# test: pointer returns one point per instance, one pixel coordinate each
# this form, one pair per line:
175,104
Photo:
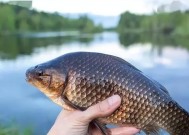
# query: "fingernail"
114,99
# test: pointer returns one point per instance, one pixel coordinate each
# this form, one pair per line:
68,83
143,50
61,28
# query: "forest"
173,23
19,19
160,29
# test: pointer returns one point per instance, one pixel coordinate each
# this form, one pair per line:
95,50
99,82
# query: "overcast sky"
101,7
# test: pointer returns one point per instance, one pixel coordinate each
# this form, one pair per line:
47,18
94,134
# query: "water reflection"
156,39
13,46
27,106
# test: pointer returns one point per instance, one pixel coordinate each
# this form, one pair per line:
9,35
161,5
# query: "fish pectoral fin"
67,107
152,129
70,104
100,126
95,122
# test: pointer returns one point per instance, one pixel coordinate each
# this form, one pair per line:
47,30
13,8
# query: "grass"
13,129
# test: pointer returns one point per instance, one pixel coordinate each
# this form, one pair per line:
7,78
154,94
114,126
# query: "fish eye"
39,73
36,66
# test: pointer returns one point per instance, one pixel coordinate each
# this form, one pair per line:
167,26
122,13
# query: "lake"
21,103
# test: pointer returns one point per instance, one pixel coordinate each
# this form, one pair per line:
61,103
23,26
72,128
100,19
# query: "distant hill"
27,4
173,6
105,21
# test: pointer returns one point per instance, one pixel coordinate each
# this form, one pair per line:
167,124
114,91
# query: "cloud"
99,7
158,3
102,7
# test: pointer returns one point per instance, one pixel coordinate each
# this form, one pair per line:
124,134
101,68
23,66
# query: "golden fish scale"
93,79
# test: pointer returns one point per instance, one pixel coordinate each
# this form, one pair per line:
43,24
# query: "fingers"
114,131
102,109
124,131
93,130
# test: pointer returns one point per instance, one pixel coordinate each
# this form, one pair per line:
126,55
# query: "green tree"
7,19
16,18
164,23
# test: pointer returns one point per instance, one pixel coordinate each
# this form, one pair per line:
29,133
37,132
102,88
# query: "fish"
78,80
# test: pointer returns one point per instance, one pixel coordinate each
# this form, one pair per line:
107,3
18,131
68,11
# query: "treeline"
20,19
174,23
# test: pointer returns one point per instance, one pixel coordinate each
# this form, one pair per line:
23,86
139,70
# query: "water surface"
27,106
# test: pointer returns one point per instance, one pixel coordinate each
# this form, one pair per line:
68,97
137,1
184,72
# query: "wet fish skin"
89,78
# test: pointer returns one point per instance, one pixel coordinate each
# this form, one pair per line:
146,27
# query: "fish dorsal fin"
127,63
161,87
136,69
152,129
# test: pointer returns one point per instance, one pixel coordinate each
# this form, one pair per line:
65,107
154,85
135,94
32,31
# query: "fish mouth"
38,79
29,76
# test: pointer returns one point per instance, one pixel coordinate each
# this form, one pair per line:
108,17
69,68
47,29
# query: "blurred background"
153,35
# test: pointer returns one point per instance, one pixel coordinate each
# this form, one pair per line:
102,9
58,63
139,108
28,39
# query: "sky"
98,7
101,7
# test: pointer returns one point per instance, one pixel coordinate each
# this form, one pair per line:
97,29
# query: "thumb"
102,109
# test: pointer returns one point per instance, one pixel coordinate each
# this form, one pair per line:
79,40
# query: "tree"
7,19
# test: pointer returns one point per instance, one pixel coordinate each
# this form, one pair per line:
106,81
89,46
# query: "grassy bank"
13,129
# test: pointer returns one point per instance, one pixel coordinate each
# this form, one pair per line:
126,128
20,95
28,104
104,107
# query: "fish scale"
93,77
132,83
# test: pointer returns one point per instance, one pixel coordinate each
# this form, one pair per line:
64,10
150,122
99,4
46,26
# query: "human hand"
77,122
